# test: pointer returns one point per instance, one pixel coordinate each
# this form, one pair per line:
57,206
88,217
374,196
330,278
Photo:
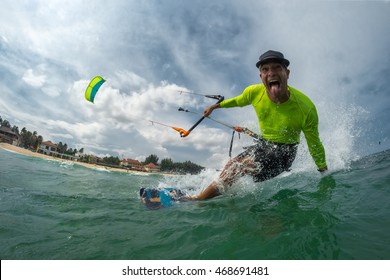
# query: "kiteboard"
155,198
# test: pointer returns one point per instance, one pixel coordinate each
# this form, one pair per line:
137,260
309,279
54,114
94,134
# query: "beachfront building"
151,167
8,136
131,164
48,148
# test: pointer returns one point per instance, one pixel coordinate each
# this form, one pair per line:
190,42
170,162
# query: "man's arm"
314,144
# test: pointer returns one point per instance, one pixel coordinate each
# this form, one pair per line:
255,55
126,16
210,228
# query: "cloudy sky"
149,50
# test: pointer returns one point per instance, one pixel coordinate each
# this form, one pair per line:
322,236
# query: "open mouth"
274,85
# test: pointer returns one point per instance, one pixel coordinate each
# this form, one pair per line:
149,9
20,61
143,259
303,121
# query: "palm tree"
39,142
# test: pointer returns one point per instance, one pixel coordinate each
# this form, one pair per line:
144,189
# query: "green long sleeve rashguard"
283,123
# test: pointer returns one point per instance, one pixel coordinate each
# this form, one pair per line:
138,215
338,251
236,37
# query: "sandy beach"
26,152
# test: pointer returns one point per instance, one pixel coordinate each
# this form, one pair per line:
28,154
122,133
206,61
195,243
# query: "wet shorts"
271,158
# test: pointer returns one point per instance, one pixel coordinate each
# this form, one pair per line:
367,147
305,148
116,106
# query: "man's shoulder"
254,90
255,87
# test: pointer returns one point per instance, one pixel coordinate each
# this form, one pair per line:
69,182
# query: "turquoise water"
54,210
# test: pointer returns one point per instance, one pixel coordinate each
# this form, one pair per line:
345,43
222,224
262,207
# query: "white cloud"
34,80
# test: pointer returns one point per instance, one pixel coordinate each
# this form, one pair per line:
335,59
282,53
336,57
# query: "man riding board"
283,113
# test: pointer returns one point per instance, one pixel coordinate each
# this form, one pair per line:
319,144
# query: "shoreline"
19,150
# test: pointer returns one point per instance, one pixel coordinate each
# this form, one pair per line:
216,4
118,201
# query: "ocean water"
61,211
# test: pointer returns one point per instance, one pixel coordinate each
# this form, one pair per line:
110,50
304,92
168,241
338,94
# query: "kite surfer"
283,113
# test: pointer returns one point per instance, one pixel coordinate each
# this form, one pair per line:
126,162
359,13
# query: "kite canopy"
93,88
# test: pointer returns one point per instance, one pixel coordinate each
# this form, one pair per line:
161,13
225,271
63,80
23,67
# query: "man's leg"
234,169
262,162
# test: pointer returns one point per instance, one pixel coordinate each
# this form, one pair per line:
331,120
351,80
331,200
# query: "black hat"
272,56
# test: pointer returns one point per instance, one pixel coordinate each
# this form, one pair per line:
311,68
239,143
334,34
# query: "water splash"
193,184
343,130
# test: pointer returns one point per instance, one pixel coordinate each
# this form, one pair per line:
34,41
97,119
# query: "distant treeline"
166,165
32,140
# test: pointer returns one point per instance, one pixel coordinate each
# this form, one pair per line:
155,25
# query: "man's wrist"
323,169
